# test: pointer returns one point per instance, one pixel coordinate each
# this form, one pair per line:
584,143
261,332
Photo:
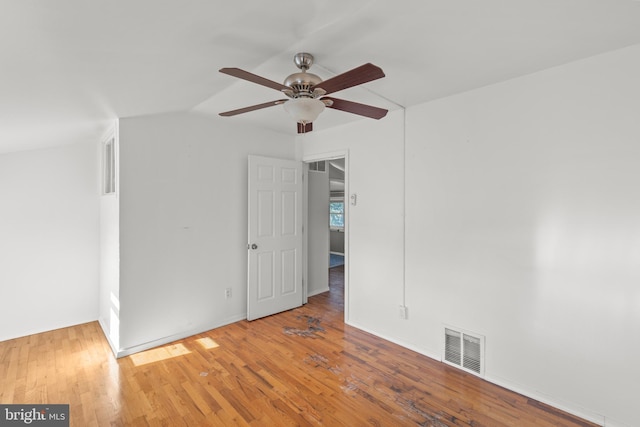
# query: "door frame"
318,157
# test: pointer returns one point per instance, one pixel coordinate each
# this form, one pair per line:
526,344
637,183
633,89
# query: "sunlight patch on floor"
207,343
158,354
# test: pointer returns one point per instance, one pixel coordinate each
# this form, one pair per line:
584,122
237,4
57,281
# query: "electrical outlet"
404,314
227,293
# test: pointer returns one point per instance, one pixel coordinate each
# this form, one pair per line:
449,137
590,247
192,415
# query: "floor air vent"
464,350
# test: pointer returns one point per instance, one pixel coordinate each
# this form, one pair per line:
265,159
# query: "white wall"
183,223
522,224
375,227
109,301
318,233
48,239
109,310
336,241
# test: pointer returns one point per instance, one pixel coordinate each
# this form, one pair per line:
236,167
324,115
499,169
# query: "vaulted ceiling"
69,67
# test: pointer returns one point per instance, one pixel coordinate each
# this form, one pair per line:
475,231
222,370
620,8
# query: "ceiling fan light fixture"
304,110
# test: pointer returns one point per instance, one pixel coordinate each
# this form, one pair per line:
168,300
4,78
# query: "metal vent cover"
464,349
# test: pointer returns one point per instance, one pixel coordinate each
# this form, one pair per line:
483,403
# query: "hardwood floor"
304,367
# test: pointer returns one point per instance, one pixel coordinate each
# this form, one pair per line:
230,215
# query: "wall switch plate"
404,313
227,293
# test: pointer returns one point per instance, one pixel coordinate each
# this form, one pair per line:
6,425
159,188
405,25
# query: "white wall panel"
183,223
375,224
523,224
49,239
318,232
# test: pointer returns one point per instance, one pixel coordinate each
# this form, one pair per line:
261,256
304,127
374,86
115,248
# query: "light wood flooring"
304,367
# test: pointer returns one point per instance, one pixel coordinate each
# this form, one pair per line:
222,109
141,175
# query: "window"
336,214
318,166
109,167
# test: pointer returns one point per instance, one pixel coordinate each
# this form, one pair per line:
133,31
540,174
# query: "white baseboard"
549,400
396,341
103,326
517,388
608,422
318,291
178,336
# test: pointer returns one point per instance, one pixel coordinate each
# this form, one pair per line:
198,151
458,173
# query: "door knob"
254,246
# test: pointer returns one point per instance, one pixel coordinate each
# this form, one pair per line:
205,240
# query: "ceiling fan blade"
362,74
356,108
252,108
245,75
305,128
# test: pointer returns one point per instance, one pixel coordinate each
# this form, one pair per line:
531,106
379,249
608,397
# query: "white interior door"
275,236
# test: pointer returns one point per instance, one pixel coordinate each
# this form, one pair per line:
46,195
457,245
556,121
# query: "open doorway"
337,222
337,216
327,228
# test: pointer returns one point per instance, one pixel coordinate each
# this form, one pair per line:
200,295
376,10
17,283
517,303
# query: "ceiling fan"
306,92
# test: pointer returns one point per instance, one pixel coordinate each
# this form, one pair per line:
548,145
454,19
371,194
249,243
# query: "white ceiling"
69,67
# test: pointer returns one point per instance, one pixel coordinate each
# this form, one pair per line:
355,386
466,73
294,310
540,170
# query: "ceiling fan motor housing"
301,83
